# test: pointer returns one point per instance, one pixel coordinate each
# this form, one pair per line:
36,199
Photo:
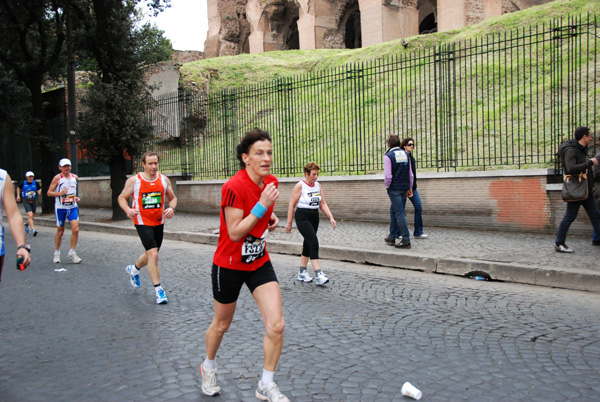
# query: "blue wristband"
258,210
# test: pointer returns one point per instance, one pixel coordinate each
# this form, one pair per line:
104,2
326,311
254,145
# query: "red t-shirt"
249,253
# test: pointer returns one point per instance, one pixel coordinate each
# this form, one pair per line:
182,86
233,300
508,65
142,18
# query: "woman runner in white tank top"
308,196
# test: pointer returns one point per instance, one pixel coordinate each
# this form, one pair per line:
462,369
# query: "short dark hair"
580,132
249,139
406,141
393,141
148,154
310,166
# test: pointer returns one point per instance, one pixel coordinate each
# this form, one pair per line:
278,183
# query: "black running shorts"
151,236
30,206
227,283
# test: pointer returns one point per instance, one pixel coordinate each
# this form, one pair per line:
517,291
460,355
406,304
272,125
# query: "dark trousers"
589,204
596,234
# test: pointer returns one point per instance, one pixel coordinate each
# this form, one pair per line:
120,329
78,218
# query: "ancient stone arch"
351,27
344,28
274,26
427,16
254,26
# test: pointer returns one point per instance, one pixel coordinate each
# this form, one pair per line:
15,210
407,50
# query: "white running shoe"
304,276
134,279
56,258
321,279
270,393
161,296
74,257
210,386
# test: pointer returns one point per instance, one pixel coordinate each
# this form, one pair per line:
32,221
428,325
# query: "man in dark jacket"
596,235
575,161
398,180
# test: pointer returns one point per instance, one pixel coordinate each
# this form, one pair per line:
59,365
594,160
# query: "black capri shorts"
227,283
151,236
307,221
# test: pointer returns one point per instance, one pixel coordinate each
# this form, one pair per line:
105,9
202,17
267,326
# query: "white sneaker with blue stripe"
161,297
133,278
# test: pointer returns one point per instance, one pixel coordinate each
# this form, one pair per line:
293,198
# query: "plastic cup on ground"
411,391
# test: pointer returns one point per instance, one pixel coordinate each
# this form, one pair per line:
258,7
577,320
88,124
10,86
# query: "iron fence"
505,101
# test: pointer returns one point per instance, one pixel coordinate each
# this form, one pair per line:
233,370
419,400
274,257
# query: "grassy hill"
247,69
498,95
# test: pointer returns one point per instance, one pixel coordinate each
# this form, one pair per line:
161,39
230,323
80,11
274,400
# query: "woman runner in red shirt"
242,258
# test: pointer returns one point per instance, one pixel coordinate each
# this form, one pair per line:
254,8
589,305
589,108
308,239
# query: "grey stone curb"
586,280
507,272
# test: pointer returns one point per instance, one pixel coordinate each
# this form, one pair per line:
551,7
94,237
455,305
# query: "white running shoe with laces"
304,276
56,258
270,393
210,386
321,279
134,279
74,257
161,297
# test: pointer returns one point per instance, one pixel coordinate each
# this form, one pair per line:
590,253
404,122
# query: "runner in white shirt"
308,196
64,190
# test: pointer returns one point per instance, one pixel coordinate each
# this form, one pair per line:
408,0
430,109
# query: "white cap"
63,162
29,173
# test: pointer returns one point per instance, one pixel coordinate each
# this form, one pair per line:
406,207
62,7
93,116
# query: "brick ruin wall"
255,26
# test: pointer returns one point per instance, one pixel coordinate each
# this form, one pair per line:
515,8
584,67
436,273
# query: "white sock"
210,364
267,377
71,251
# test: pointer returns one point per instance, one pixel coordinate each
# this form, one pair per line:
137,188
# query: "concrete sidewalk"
504,256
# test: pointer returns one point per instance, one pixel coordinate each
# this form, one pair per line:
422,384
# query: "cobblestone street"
86,334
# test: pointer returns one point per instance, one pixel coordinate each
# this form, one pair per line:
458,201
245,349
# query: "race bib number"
68,199
253,248
314,199
152,200
30,195
401,157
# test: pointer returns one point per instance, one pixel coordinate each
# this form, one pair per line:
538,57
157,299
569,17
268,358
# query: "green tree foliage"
33,35
107,42
152,46
115,124
15,109
15,118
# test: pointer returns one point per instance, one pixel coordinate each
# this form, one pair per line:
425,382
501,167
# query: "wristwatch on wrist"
26,247
173,208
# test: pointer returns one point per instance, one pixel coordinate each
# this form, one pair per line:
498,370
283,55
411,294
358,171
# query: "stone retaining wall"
513,200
